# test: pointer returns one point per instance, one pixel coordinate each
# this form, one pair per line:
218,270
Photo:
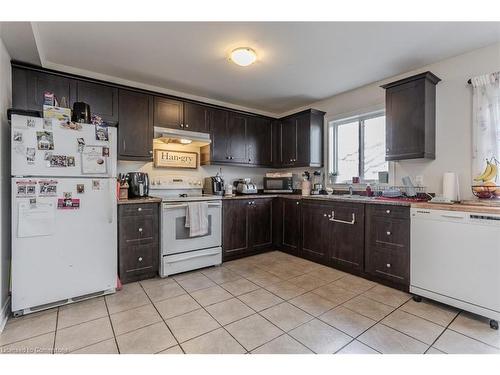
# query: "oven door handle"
184,205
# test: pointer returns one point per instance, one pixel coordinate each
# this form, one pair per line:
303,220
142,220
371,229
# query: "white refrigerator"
64,219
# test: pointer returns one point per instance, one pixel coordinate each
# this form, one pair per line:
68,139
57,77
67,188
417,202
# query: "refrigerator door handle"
111,200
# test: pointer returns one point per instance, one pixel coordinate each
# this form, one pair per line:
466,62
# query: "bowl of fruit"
485,185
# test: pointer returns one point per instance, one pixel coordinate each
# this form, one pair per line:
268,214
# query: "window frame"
333,126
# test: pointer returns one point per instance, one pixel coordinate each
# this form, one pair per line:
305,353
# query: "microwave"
278,185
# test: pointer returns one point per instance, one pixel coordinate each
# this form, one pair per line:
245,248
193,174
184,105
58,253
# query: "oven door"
175,236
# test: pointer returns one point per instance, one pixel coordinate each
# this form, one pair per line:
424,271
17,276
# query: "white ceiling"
299,63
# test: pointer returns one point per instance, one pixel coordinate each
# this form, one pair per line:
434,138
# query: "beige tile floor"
268,303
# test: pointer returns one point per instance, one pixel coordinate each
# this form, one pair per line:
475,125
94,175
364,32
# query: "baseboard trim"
4,314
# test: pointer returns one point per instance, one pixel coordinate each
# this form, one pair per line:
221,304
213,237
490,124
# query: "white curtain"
486,120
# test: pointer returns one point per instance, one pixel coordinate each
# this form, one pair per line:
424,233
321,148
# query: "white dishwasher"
455,259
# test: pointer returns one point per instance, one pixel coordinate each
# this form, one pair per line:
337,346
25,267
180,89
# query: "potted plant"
332,177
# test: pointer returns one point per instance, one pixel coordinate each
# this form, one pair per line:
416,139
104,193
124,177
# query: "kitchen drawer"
389,211
138,262
140,209
392,265
388,232
137,229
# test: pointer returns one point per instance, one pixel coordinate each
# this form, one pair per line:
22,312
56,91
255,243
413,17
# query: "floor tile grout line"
472,338
421,317
55,331
444,330
164,321
112,327
225,329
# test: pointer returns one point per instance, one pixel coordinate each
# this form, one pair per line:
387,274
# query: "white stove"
179,251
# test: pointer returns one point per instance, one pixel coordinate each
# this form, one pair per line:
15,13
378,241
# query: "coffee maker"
138,184
213,185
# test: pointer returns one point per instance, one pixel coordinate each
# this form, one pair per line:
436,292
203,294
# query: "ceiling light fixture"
243,56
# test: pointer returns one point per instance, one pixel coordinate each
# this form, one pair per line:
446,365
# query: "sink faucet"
350,189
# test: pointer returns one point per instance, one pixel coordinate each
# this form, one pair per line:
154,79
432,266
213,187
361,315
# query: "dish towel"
197,218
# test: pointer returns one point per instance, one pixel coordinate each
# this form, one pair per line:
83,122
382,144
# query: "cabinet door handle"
297,203
181,125
387,211
388,265
151,152
139,209
388,233
324,215
352,222
139,259
140,230
186,126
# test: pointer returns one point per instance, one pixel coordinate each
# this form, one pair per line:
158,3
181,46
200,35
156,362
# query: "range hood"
182,137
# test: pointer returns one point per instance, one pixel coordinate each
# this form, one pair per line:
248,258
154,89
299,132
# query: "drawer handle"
139,259
388,265
297,203
388,233
140,229
387,211
139,209
352,222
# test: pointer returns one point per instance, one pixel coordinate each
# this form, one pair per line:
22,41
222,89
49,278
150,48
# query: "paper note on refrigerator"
36,219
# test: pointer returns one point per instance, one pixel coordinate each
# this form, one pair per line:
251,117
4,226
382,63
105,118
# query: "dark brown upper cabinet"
411,117
196,117
301,139
238,139
135,129
168,113
259,141
103,100
236,134
28,87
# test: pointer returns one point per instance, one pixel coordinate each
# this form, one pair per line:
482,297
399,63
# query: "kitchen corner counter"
139,200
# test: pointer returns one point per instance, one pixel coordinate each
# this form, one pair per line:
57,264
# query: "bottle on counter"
369,191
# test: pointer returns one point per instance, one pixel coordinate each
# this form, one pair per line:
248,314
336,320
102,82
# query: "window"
356,147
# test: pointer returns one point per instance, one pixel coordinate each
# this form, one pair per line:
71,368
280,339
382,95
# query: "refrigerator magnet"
68,204
30,155
105,152
30,189
18,137
30,122
58,161
48,188
47,124
70,161
80,188
81,144
96,185
101,133
45,140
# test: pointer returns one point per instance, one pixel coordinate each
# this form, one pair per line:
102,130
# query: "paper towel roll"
450,186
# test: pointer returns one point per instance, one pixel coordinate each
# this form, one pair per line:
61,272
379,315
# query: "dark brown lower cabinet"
347,226
290,214
316,231
138,241
247,227
387,243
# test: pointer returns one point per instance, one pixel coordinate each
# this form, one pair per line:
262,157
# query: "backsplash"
230,173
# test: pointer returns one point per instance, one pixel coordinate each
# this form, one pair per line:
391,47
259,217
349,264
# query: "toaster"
245,186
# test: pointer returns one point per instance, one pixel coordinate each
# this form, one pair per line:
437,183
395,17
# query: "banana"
492,174
486,172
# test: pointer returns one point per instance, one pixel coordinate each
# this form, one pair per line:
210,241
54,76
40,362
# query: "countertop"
466,206
139,200
329,198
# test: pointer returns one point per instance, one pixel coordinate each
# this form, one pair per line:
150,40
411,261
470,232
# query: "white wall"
5,103
453,115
